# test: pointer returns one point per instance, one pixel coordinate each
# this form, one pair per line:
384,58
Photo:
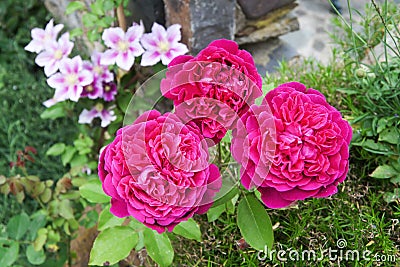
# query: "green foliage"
112,245
159,247
93,192
254,223
189,229
95,18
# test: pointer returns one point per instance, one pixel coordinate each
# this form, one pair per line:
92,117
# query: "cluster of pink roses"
73,78
291,147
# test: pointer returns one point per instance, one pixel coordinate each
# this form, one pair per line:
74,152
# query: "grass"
356,214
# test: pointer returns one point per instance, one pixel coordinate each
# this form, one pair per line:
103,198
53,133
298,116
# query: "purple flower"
42,38
100,72
109,91
71,79
93,90
55,52
162,45
124,47
106,116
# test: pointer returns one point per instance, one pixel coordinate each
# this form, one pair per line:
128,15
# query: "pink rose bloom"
311,143
157,171
220,72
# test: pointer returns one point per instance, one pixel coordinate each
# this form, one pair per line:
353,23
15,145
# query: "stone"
202,21
274,24
254,9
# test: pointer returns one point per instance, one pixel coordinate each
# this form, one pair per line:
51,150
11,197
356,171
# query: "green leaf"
384,172
93,192
67,155
35,257
214,212
56,149
9,251
41,239
390,135
75,32
17,226
189,229
113,245
89,20
97,8
66,210
254,223
53,112
159,247
83,144
396,179
38,221
107,220
74,6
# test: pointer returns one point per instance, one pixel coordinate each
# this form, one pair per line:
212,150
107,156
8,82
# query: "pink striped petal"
85,77
108,57
112,36
159,32
87,116
174,33
51,67
44,58
125,60
61,93
134,33
136,49
56,81
150,58
74,92
149,42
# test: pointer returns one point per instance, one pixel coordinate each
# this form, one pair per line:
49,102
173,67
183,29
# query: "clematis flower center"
98,70
99,107
123,46
163,47
71,79
58,54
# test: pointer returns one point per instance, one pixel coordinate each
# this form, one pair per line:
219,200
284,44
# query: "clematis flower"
106,116
93,90
42,38
124,47
162,45
100,72
55,52
71,79
109,91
